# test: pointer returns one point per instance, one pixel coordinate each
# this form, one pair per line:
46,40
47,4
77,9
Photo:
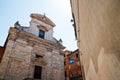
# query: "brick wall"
73,70
1,52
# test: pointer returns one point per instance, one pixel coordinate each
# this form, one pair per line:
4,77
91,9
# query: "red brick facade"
72,65
1,52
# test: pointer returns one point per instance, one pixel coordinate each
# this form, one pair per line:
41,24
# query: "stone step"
31,79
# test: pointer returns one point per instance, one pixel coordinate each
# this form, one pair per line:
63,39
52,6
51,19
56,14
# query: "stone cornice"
33,38
42,28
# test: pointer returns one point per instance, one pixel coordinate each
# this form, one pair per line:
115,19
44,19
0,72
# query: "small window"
77,55
64,62
41,34
65,74
39,56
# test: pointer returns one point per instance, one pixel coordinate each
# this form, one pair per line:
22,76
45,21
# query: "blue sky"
58,11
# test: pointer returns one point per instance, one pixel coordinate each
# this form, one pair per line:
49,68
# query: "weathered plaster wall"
20,59
98,35
35,30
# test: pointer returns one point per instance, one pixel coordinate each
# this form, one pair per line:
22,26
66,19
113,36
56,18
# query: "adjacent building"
72,65
97,28
2,49
32,53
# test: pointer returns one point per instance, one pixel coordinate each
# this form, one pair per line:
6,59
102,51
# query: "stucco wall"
35,30
98,34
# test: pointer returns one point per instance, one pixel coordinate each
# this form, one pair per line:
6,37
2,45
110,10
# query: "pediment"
41,18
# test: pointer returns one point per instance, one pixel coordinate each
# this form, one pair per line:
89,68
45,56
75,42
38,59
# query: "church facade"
32,53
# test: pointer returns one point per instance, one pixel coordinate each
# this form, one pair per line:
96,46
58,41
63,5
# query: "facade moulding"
31,38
